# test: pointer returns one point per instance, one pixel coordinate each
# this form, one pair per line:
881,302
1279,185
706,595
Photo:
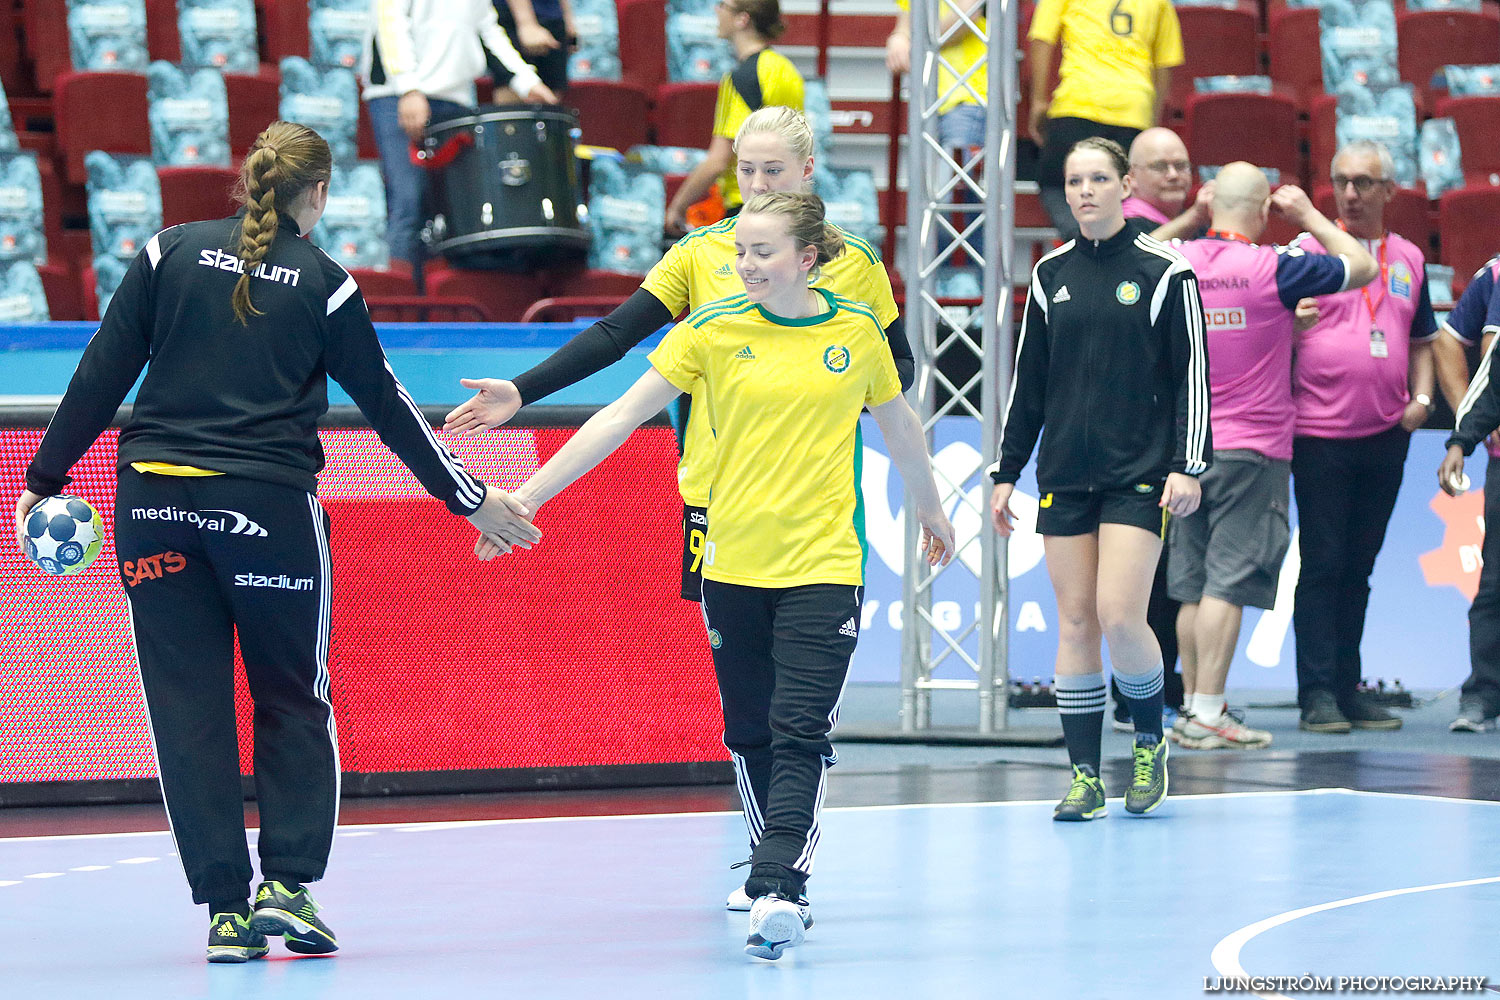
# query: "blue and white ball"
64,535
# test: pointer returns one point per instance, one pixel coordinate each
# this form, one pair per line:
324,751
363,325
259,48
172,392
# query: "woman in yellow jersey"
238,324
761,78
784,554
774,147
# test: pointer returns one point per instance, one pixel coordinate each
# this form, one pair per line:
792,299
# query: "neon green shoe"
1148,783
230,939
1085,798
280,911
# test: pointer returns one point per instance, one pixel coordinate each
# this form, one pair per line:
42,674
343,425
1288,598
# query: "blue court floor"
911,901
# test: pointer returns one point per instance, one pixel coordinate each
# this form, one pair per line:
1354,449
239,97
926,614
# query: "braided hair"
285,161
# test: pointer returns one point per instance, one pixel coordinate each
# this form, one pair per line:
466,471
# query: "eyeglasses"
1363,184
1168,166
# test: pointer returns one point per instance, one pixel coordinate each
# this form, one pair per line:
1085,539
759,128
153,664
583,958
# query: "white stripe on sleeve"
341,296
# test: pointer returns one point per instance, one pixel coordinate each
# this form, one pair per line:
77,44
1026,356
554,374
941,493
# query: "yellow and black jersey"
783,399
700,268
1110,52
762,79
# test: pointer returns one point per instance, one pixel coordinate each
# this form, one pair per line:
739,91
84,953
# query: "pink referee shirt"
1249,292
1140,208
1350,382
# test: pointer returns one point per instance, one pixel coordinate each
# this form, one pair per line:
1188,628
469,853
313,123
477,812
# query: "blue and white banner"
336,31
1427,572
124,203
22,233
598,54
22,298
695,52
218,34
107,35
189,115
352,229
326,100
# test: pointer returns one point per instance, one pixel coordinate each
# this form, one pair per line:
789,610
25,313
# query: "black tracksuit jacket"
243,400
1111,369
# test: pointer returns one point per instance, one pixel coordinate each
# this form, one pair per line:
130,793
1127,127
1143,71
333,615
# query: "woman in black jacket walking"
1111,361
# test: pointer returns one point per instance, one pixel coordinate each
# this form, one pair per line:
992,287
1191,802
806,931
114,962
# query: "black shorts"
551,66
694,532
1080,512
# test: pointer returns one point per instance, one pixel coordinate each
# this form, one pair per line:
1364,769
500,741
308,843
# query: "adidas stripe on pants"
202,558
781,657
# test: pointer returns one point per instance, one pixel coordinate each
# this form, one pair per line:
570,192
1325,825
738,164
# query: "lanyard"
1384,281
1228,234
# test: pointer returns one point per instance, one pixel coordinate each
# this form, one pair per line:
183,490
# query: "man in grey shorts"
1229,558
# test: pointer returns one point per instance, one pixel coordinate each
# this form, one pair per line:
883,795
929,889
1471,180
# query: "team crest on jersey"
714,638
1400,279
1128,293
836,358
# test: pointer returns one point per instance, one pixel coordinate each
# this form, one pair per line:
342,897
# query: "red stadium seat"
192,194
611,114
12,74
254,103
283,25
46,27
162,39
1322,137
64,296
393,281
685,114
566,309
505,297
1217,41
1408,213
1478,122
1466,228
1295,51
1428,40
643,37
88,292
1260,128
364,135
100,111
584,283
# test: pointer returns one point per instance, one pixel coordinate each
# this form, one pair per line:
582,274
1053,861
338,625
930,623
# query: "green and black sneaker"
1148,782
280,911
231,939
1085,798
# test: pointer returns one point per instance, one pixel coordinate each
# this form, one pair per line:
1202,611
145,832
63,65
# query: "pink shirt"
1140,208
1351,371
1249,292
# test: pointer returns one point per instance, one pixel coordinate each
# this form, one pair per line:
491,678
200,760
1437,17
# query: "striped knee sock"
1080,703
1143,693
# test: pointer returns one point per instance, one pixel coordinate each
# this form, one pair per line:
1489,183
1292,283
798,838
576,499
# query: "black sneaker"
231,939
1085,798
1321,714
279,911
1363,713
1148,780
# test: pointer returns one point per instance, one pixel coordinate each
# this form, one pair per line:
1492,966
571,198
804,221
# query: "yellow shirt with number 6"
700,269
1111,50
783,397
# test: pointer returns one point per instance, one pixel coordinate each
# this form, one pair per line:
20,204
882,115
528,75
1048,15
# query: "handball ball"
63,535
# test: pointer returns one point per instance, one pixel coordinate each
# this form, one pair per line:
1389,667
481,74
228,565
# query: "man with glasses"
1363,381
1161,174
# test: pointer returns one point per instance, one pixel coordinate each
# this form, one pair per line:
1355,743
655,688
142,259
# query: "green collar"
814,320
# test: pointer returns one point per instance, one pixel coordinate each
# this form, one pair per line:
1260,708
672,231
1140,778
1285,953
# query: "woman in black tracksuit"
1111,361
218,530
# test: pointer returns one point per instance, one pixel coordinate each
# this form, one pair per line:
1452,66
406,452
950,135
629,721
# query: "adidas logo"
226,929
264,894
745,354
1062,295
849,629
724,271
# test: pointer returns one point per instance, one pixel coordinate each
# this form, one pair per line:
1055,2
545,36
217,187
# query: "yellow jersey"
962,54
700,269
1110,51
767,78
784,397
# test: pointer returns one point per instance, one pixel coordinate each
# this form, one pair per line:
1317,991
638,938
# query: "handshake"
504,523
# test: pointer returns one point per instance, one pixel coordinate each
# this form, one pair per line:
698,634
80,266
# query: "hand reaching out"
496,402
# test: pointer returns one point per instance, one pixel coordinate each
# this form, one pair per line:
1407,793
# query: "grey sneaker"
1229,733
280,912
1148,782
1085,798
1363,713
1472,718
1321,714
230,940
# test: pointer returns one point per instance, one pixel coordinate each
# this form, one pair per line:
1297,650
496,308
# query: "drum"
510,198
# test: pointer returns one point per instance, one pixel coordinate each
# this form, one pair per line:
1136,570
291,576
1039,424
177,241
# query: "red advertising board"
576,653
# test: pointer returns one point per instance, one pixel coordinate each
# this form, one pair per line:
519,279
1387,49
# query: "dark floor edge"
457,782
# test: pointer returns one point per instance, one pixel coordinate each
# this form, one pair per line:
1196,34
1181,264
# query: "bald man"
1231,558
1161,175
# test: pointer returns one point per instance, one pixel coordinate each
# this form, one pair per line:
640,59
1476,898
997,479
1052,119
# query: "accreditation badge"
1378,346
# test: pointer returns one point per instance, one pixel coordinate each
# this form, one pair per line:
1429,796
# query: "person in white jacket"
420,61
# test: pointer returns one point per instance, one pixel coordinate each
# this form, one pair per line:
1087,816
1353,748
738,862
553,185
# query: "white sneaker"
776,924
1227,732
738,900
1178,724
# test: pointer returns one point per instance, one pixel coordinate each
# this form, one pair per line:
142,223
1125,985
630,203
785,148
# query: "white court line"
418,827
136,861
8,882
89,868
46,875
1226,954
